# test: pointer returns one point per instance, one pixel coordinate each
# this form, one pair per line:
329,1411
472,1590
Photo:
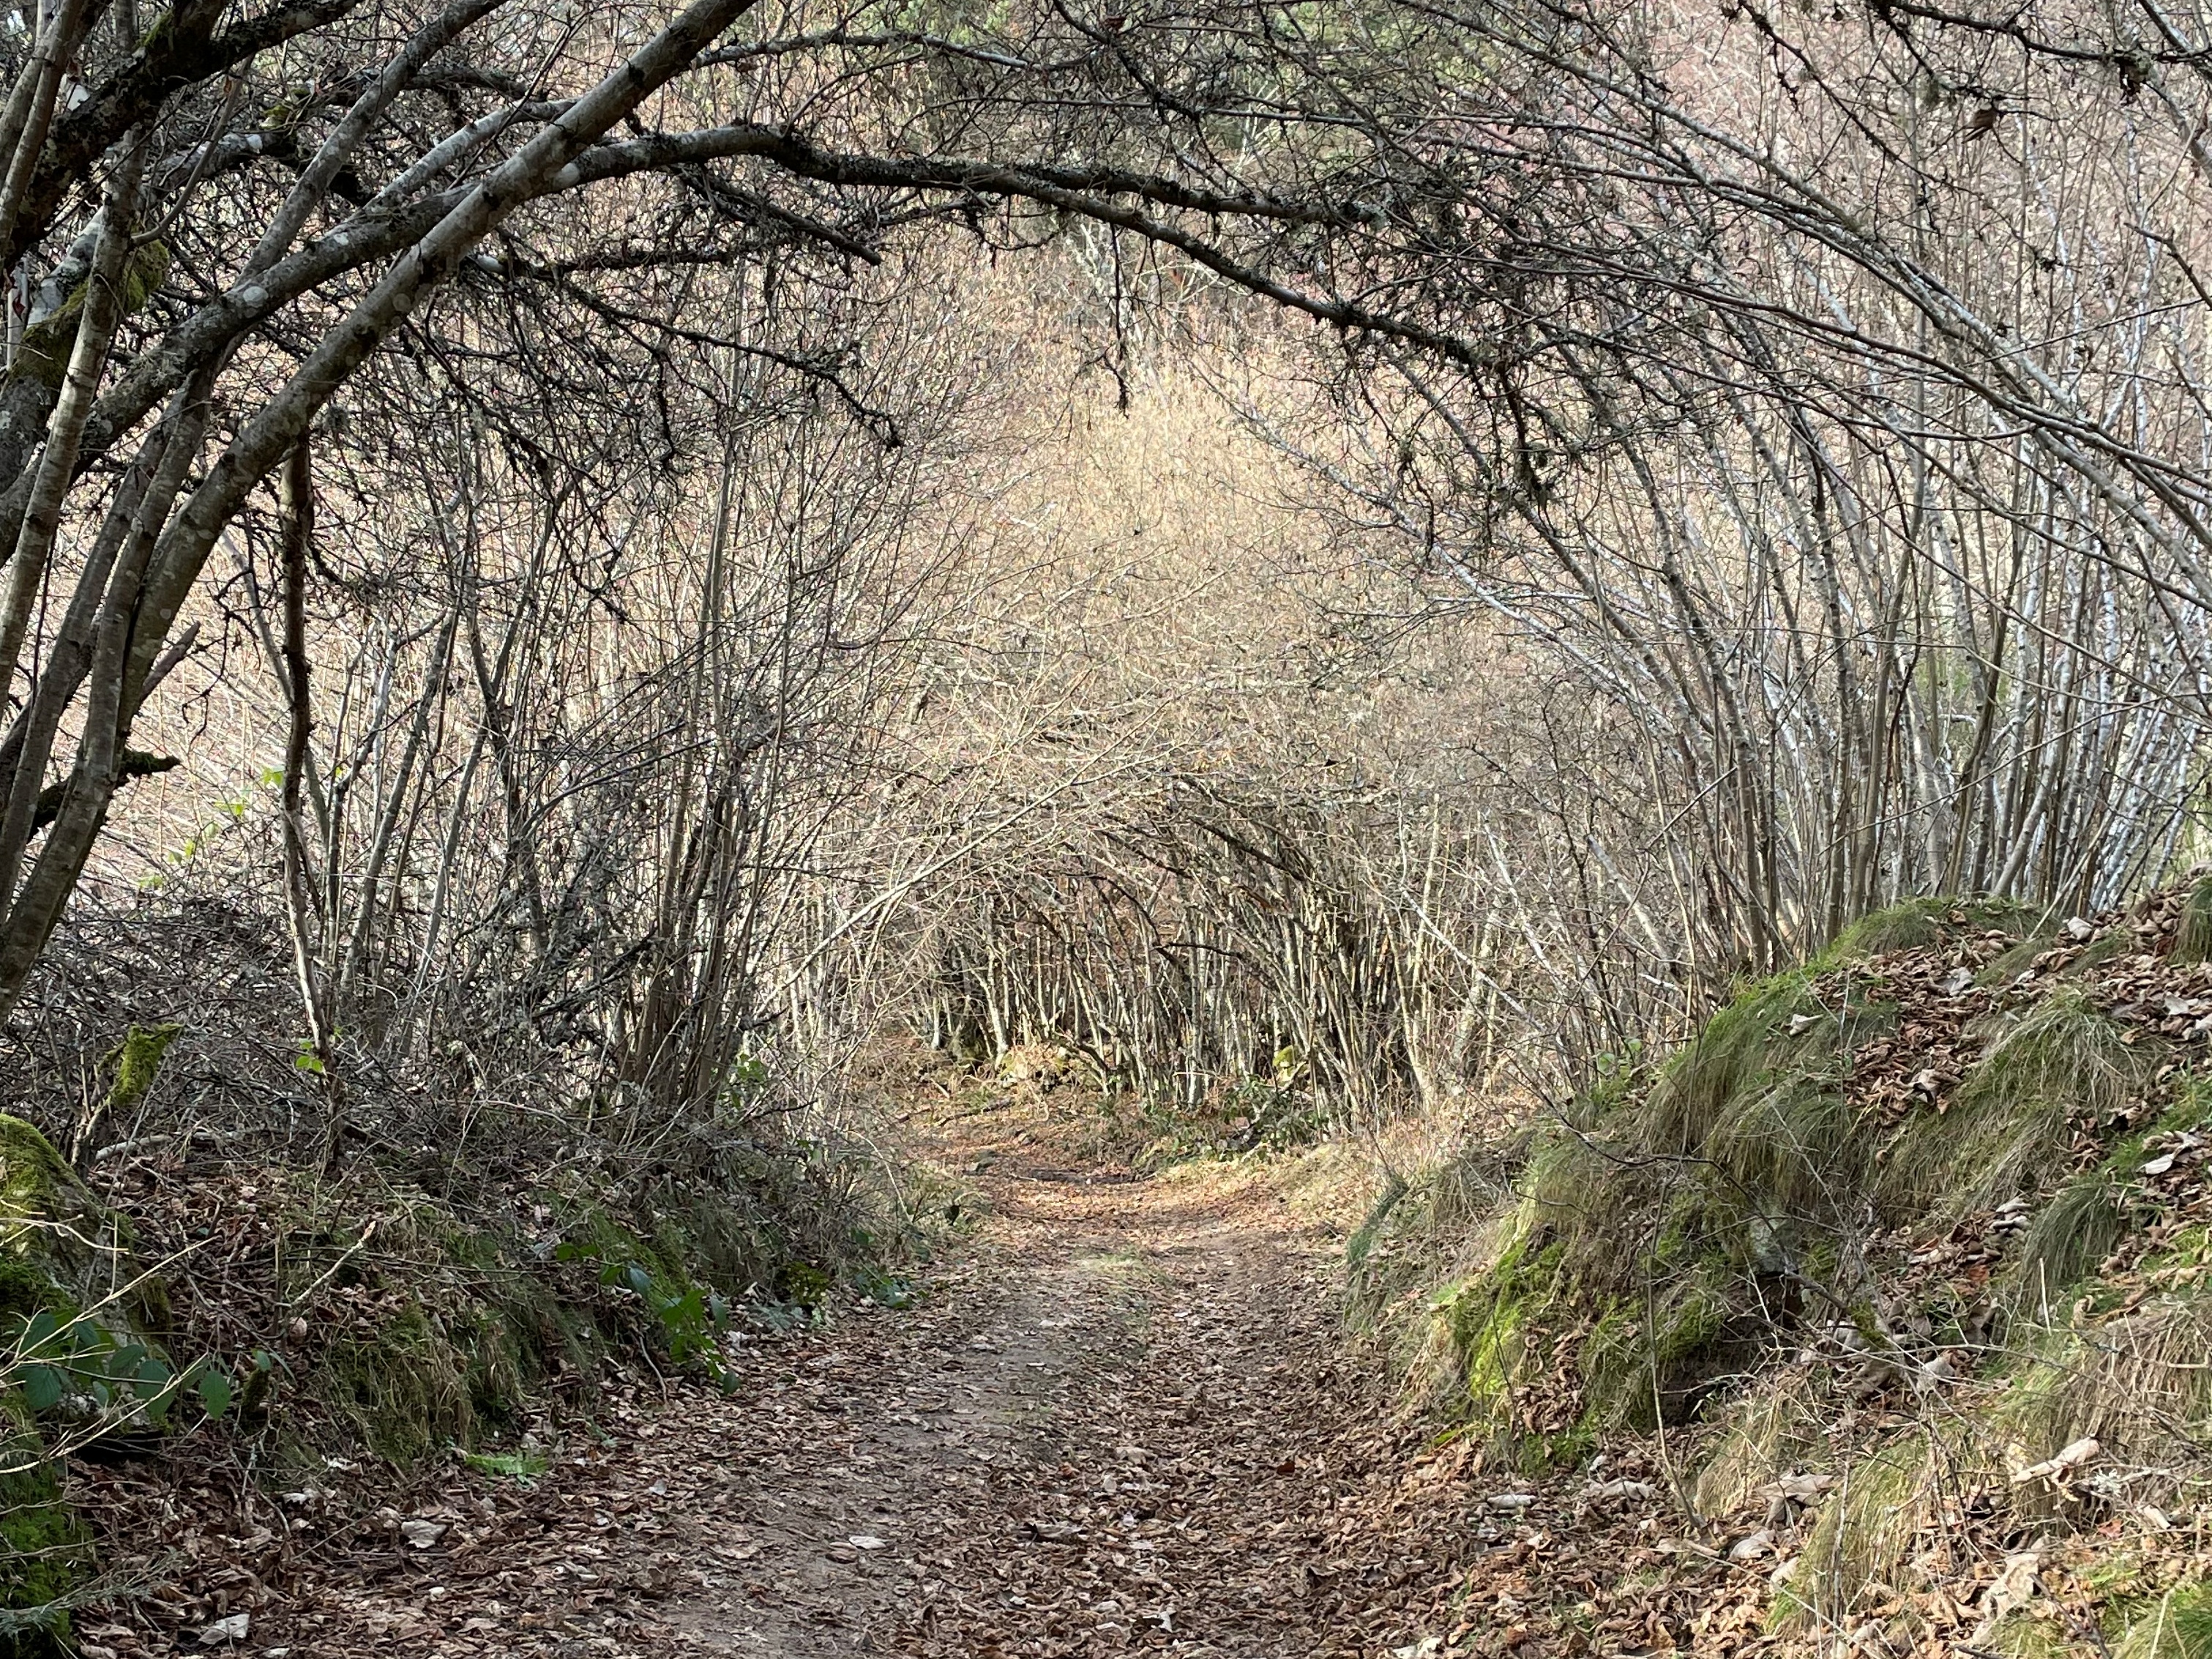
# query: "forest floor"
1122,1417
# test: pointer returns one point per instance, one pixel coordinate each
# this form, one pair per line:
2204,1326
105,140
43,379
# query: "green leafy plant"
58,1361
689,1317
884,1288
525,1467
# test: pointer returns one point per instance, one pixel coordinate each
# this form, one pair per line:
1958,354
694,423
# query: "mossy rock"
61,1250
1643,1365
45,1549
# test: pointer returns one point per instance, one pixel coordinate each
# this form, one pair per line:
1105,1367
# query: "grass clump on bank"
2061,1057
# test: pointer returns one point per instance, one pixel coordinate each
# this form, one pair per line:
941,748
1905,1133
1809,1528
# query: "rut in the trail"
1124,1424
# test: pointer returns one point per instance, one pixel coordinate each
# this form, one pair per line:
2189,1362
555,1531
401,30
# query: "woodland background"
581,574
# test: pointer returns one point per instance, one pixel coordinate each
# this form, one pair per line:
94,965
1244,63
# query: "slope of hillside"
1875,1318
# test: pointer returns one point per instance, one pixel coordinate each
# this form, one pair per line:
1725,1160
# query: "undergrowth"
209,1284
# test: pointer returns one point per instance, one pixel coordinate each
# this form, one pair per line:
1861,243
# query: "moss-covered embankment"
195,1297
1904,1259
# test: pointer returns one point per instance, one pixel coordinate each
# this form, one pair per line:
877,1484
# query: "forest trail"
1124,1421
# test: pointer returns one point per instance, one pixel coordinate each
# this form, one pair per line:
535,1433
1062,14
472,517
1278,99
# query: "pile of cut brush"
1893,1288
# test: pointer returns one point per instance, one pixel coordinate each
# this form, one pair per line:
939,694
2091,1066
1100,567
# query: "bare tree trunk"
302,907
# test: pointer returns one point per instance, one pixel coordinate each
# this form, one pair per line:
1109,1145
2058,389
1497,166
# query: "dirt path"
1124,1422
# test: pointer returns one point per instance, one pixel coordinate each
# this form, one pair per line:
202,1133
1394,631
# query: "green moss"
2082,1224
47,344
2115,1575
493,1369
25,1288
1563,1449
1584,1193
144,273
136,1062
1620,1078
36,1184
1662,1232
1488,1319
405,1388
45,1550
61,1248
1530,1316
1639,1363
2185,1250
431,1380
1786,1610
2138,1613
